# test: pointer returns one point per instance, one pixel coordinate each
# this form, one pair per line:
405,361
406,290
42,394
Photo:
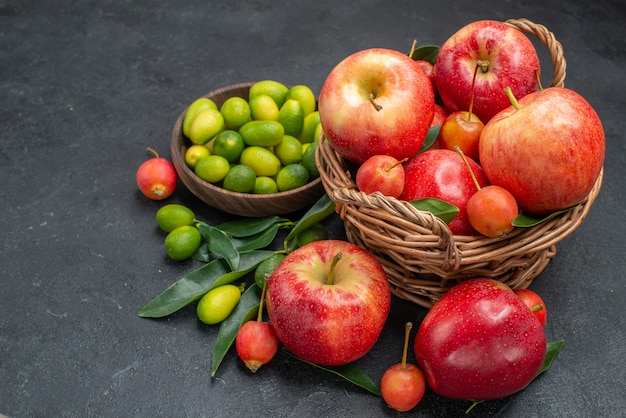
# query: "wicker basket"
420,255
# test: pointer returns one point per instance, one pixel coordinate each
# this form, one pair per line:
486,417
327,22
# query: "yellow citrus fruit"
291,177
291,116
172,216
192,111
212,168
263,133
195,153
318,132
182,242
236,112
228,144
261,160
240,178
289,150
316,232
311,121
264,185
218,303
267,267
205,126
276,90
305,96
263,107
308,161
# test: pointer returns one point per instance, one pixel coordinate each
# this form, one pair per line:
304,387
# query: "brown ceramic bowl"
242,204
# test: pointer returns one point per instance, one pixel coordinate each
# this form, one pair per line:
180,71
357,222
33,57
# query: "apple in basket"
376,102
479,342
499,54
328,302
547,149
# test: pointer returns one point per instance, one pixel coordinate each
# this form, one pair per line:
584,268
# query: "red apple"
548,152
505,56
442,174
376,102
328,302
480,342
441,113
535,303
381,173
429,69
156,178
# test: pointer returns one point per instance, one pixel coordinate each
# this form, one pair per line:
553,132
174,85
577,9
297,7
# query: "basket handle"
555,48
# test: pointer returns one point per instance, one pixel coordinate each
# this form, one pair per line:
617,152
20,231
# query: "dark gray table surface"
86,86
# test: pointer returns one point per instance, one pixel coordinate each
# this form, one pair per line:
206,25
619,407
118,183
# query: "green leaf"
246,309
426,53
323,208
246,227
257,241
350,372
552,349
196,283
220,244
524,221
437,207
431,136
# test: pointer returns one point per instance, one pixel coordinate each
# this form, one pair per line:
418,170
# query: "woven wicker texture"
420,255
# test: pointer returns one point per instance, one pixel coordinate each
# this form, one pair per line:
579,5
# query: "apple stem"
462,154
413,48
260,314
538,78
471,104
407,331
512,98
536,308
331,271
376,105
152,151
388,169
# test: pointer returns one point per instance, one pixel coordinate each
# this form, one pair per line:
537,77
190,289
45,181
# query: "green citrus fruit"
205,126
172,215
261,160
308,127
318,132
218,303
195,153
291,177
276,90
212,168
263,107
316,232
267,267
264,133
236,112
305,96
291,116
228,144
308,161
182,242
289,151
240,178
264,185
192,111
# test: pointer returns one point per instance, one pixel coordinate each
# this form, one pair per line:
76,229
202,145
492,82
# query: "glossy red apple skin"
442,174
548,153
480,342
512,59
429,69
532,299
326,324
355,128
441,113
381,173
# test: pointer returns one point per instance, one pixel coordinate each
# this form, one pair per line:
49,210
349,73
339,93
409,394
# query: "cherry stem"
512,98
413,48
396,164
407,332
376,105
260,314
471,104
536,308
152,151
331,271
462,154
